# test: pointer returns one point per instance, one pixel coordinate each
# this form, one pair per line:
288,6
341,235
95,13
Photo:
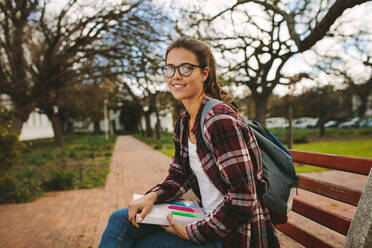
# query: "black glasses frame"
164,69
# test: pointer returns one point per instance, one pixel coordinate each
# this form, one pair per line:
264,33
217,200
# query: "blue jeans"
120,233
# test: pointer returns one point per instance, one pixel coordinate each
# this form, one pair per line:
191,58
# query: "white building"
166,121
37,126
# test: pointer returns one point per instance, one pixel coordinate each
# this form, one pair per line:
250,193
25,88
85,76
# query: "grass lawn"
82,163
357,148
349,142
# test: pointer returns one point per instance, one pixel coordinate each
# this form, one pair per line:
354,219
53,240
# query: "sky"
351,21
348,23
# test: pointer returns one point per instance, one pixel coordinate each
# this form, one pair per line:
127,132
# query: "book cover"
185,212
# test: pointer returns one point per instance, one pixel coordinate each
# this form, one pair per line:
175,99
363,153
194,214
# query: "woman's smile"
178,86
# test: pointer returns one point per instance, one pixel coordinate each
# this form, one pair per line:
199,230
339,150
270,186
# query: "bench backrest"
311,211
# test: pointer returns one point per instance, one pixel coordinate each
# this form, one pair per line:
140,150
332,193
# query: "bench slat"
331,220
301,236
330,190
344,163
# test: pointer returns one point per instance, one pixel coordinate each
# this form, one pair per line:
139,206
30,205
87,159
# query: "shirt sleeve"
234,159
176,183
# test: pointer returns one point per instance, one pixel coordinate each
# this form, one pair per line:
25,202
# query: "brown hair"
205,59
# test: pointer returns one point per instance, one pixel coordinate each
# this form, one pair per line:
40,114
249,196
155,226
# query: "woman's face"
181,87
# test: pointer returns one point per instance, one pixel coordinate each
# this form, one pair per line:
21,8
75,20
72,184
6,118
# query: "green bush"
7,188
301,139
11,189
9,145
82,163
60,180
17,190
72,154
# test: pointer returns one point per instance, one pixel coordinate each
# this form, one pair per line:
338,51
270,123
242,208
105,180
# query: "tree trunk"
157,126
70,127
96,127
148,125
114,128
56,124
21,115
17,124
290,128
362,109
321,129
141,130
157,129
261,108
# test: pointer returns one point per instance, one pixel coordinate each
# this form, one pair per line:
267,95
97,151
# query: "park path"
77,218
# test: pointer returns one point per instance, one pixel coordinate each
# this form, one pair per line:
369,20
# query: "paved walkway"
77,218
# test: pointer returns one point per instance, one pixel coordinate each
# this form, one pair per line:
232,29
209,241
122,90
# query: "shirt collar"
198,116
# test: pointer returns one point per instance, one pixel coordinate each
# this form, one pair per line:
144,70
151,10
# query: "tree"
258,38
43,53
350,64
130,115
152,87
146,77
323,102
85,102
14,68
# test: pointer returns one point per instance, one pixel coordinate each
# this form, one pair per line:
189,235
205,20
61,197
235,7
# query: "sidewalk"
77,218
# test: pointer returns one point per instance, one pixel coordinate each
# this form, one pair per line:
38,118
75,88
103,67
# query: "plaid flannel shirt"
234,167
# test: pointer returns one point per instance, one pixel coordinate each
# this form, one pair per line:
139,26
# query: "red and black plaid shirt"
234,167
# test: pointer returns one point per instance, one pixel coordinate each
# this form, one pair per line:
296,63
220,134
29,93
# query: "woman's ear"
205,73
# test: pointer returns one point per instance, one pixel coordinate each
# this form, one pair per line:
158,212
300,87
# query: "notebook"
185,212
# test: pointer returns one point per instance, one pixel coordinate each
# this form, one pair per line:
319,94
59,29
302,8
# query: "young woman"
226,180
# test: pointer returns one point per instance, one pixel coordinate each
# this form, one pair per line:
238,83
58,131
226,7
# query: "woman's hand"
144,205
176,227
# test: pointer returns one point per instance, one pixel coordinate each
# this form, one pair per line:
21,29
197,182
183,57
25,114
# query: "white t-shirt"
210,195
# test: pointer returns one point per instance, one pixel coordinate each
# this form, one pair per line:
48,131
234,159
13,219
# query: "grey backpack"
278,169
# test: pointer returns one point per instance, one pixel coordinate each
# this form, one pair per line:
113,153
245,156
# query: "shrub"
17,190
7,188
9,145
11,189
82,163
60,180
92,154
301,139
72,154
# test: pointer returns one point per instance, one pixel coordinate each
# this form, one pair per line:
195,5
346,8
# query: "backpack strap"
210,103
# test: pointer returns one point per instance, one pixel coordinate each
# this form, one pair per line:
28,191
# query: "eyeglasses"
184,70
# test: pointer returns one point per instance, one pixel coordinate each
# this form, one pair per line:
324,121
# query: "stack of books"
184,212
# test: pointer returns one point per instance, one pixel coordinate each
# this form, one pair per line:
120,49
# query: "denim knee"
119,216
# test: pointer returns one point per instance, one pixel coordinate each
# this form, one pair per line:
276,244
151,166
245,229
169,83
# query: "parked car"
354,122
275,122
305,122
366,123
331,123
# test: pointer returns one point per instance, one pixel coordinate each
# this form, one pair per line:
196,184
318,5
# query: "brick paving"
77,218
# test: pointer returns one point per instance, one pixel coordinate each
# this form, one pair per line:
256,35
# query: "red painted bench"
323,217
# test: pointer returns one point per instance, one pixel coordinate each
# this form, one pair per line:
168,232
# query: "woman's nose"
177,73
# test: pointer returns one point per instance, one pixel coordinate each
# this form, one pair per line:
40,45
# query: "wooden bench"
331,220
